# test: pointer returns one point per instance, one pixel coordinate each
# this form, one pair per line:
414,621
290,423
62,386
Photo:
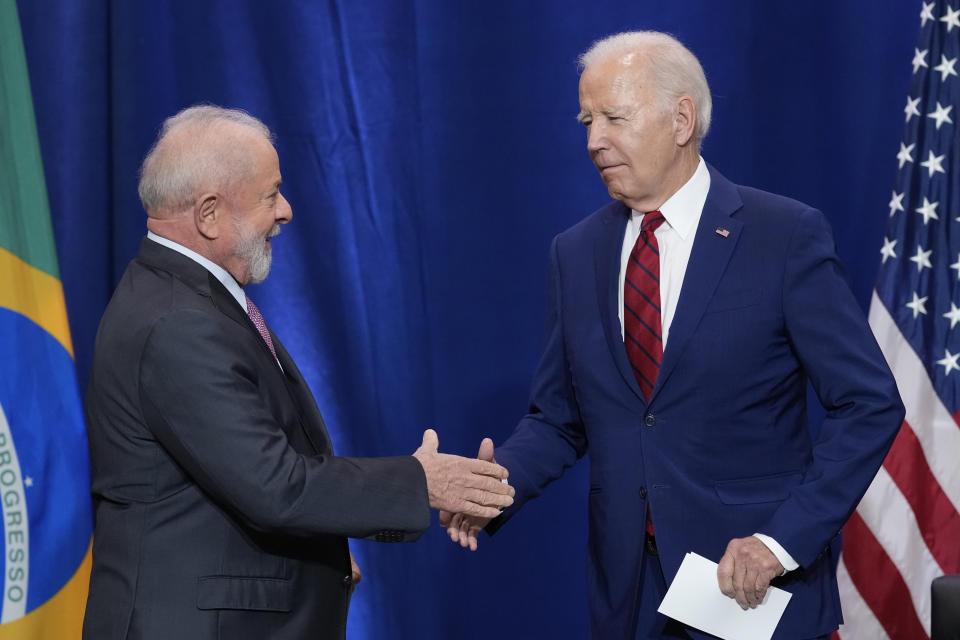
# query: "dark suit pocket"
753,490
251,594
723,301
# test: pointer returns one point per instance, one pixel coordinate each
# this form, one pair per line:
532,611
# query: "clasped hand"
462,485
463,527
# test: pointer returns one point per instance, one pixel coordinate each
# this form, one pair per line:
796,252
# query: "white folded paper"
694,598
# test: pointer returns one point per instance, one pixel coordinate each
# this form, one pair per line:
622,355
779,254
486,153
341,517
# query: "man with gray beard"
221,509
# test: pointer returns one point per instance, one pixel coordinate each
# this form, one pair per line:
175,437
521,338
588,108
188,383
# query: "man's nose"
596,137
284,211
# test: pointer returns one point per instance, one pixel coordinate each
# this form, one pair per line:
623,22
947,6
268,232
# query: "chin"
617,194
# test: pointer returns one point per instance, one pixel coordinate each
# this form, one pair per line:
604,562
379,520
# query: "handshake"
468,493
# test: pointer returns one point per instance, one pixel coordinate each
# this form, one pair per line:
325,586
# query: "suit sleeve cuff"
789,564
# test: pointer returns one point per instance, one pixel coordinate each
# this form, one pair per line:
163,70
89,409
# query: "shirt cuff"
789,564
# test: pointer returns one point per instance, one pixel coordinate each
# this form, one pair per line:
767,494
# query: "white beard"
254,251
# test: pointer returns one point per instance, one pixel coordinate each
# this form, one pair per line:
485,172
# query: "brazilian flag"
47,517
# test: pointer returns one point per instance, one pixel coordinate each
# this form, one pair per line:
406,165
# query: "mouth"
608,167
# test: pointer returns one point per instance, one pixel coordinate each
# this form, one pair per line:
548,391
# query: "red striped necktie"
258,322
642,334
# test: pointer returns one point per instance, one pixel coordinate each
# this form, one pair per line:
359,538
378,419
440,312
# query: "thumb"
486,450
430,441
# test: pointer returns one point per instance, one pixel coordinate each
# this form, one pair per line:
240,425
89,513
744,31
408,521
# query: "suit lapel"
296,387
310,416
708,259
224,301
293,381
607,249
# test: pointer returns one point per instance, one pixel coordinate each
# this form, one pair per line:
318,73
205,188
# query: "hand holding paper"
746,569
695,599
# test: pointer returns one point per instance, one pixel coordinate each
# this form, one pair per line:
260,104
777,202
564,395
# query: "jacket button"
643,492
347,581
650,420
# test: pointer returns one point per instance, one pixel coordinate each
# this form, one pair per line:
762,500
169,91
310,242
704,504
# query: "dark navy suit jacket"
723,448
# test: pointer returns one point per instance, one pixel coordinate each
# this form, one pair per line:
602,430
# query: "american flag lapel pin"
723,233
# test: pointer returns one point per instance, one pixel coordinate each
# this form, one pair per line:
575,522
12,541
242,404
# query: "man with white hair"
685,320
221,509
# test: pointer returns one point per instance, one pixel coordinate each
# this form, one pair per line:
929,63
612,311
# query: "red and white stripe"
906,530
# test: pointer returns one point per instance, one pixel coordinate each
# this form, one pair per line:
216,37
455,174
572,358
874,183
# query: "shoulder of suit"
751,201
148,293
772,203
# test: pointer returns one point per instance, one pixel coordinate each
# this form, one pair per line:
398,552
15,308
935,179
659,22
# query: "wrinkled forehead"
614,78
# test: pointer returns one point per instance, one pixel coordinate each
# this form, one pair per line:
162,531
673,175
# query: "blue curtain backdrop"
430,153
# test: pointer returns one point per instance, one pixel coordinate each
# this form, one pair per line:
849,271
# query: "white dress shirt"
675,241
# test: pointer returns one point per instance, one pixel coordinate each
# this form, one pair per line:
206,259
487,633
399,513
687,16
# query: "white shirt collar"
682,209
218,272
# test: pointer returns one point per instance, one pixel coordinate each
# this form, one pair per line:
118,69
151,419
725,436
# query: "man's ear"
685,120
208,215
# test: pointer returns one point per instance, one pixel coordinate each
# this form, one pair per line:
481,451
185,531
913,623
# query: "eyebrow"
613,112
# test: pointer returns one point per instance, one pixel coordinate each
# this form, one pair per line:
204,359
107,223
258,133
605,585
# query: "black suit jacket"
221,511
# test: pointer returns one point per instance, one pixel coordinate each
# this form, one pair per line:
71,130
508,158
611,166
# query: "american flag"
906,531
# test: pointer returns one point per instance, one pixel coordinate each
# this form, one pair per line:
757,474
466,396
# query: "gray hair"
674,68
194,152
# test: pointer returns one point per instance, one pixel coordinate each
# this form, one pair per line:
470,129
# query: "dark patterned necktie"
258,322
642,334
